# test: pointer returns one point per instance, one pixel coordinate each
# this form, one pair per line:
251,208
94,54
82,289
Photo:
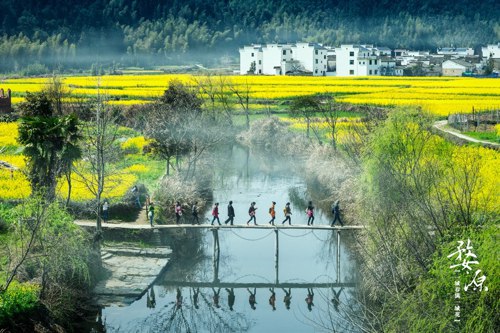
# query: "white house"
312,56
388,66
456,67
491,51
251,59
282,59
456,51
357,60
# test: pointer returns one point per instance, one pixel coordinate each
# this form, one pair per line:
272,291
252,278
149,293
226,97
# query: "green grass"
156,168
486,136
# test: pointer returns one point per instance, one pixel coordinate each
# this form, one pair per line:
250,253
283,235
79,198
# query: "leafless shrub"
273,135
174,188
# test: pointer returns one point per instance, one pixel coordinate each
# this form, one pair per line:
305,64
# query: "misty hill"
56,32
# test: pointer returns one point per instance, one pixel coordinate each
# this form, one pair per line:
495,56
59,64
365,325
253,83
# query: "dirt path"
440,127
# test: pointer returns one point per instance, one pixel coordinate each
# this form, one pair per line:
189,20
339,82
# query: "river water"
194,295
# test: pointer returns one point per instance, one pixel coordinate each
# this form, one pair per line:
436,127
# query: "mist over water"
247,257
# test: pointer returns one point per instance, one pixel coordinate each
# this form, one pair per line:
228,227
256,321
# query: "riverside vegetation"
417,193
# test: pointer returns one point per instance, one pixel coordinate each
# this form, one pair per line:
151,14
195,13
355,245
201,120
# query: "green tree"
490,66
50,143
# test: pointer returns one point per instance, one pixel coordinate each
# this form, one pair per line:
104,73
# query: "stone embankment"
130,271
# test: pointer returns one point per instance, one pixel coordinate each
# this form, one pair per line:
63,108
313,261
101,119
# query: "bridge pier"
338,256
216,256
276,257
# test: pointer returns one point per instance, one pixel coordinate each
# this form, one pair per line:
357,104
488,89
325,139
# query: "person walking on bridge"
151,212
105,209
178,212
288,213
336,213
310,213
215,213
272,212
194,213
135,192
230,213
251,212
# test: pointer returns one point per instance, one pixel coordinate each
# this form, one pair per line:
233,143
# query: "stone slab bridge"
215,232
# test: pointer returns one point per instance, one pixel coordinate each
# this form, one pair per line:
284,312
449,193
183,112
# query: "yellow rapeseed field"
439,95
14,184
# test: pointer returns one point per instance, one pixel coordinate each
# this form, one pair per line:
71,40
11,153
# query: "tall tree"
167,122
50,142
100,134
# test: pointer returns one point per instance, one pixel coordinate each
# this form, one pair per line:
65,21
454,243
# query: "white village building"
456,67
456,52
491,51
282,59
357,60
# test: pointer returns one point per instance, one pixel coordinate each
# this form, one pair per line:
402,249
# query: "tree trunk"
68,180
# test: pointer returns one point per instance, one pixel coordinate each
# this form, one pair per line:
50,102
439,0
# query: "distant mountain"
151,31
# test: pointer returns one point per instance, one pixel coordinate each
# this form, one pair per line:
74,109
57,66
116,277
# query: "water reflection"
251,266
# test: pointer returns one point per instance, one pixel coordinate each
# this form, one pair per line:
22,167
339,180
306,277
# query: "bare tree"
303,108
169,121
330,111
99,151
242,94
218,90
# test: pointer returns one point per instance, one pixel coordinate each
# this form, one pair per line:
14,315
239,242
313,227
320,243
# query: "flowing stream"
213,293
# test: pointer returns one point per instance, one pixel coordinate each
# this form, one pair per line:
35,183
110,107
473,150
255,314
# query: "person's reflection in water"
178,299
336,298
309,299
251,298
196,292
98,318
150,298
288,298
230,298
216,298
272,299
